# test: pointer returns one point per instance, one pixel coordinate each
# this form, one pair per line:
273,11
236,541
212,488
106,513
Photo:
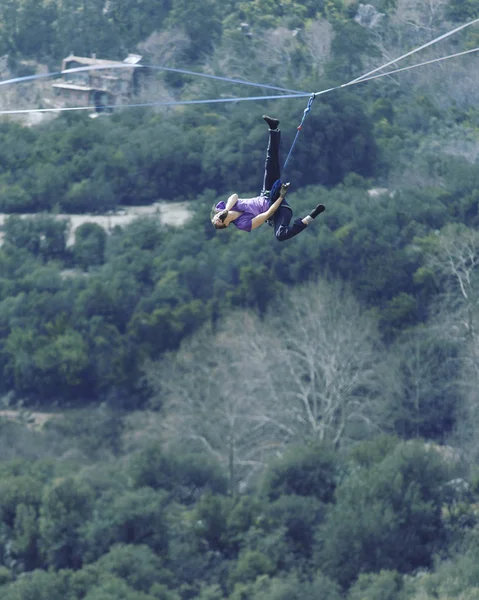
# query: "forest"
228,417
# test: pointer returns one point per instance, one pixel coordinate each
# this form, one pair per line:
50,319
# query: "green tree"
385,585
96,431
89,247
61,364
350,45
114,588
250,565
303,471
201,22
133,517
386,517
138,22
291,587
87,195
462,10
39,584
295,520
41,234
184,475
15,199
137,565
25,537
66,507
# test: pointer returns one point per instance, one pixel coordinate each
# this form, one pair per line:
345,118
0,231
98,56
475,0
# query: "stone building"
95,82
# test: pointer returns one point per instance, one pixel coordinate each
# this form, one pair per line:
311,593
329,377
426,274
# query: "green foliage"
456,575
38,585
113,588
387,516
133,517
201,22
251,565
137,565
185,476
93,431
211,517
289,588
304,471
89,247
298,519
385,585
78,324
350,44
462,10
66,505
372,452
42,235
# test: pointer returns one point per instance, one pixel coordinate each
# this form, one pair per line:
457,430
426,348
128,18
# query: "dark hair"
219,226
214,210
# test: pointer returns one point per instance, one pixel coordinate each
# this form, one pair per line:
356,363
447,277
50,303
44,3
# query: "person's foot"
317,211
272,123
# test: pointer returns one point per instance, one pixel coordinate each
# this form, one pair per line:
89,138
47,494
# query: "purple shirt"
250,208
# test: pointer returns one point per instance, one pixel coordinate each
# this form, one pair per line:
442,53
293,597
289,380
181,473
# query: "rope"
427,62
369,75
411,52
236,98
298,129
139,66
150,104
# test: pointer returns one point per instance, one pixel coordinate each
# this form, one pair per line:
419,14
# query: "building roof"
131,59
72,86
83,60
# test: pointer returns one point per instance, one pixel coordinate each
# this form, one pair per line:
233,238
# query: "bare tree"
466,434
270,58
208,405
311,370
454,260
427,384
161,48
412,24
328,363
165,47
318,37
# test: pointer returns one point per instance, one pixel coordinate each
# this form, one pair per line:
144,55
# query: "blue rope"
141,66
298,129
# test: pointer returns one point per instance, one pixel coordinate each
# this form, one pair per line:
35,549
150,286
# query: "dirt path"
169,213
33,420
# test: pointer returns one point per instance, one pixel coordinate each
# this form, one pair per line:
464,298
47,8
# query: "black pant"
272,168
272,172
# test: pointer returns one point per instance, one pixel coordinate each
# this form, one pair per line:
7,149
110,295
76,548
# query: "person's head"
218,217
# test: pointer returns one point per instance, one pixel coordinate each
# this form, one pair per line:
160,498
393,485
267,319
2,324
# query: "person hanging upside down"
249,213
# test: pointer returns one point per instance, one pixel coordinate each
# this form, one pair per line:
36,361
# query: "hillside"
237,418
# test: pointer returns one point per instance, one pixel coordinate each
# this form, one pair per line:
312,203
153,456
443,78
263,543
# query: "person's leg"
282,228
282,218
272,168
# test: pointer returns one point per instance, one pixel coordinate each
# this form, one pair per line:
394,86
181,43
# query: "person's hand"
221,216
284,189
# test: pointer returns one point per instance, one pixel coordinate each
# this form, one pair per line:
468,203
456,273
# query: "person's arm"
261,218
232,200
225,213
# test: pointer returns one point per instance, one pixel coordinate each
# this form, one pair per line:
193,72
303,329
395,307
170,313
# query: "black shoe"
317,211
273,123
